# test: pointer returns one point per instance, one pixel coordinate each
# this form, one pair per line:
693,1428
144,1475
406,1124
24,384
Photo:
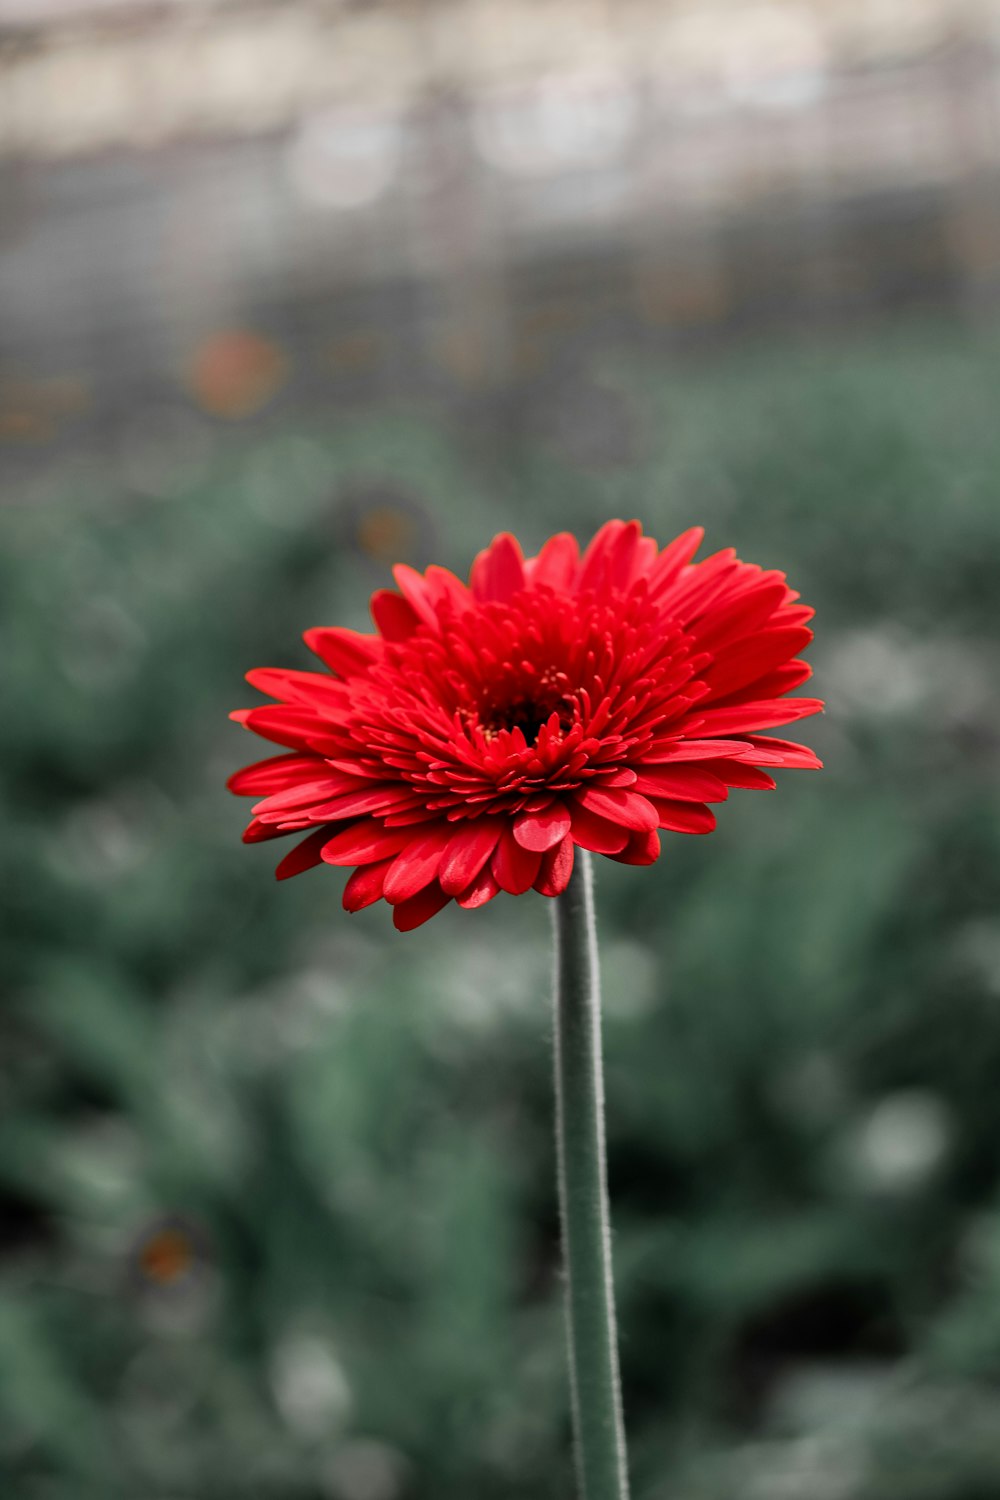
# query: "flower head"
486,731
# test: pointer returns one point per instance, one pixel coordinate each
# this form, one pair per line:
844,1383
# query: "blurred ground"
276,1185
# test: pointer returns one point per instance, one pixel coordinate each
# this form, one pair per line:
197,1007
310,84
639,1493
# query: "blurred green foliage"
278,1206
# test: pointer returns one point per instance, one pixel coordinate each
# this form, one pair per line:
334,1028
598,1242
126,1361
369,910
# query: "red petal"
498,572
596,834
783,753
316,690
673,752
389,797
628,808
542,830
759,715
594,564
416,865
479,891
696,587
419,908
257,832
410,816
308,793
622,777
624,557
616,557
365,885
641,849
346,652
773,685
285,726
684,817
740,617
751,661
556,564
364,842
273,775
305,856
795,614
446,588
740,774
394,618
556,868
674,557
417,592
689,783
514,868
467,853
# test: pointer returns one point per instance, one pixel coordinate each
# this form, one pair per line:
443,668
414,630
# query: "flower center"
526,714
527,705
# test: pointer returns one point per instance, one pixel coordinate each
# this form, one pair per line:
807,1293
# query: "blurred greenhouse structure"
294,291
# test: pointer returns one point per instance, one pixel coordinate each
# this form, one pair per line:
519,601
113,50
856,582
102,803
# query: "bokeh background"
292,291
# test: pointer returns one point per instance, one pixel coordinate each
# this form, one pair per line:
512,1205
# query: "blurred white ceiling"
79,76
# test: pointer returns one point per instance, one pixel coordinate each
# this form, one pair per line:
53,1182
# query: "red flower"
486,731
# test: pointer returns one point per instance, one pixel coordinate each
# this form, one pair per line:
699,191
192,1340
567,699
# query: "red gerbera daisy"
486,731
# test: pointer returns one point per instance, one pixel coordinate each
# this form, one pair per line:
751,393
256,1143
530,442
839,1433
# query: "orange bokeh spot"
236,372
385,533
33,411
167,1256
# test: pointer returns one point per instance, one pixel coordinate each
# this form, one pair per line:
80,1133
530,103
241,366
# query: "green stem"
583,1196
